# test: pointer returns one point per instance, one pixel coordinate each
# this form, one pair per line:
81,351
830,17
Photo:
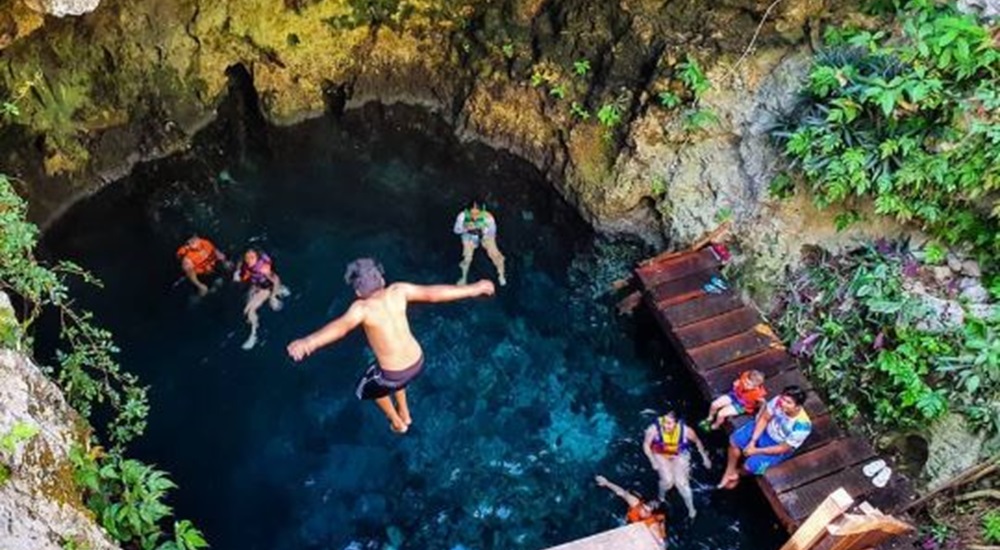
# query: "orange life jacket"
634,515
749,398
201,254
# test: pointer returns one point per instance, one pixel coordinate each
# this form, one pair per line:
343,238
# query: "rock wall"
136,78
40,504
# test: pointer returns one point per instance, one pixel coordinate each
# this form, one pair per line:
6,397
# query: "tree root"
985,493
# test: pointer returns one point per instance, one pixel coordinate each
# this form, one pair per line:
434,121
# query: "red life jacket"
669,443
201,253
256,274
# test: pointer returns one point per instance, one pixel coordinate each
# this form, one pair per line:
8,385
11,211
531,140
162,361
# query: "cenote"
526,396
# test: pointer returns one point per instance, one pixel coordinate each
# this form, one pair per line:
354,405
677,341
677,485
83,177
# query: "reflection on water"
526,396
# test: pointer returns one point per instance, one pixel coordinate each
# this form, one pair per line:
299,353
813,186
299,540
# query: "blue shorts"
757,464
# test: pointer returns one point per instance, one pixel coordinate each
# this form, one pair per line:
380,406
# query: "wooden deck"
635,536
718,336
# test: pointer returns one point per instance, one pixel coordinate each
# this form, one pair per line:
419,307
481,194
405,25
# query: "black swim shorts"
376,383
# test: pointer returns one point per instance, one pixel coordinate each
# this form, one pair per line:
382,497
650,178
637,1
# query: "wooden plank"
809,466
814,529
775,384
692,311
824,430
895,496
680,290
717,328
799,503
770,362
736,347
677,268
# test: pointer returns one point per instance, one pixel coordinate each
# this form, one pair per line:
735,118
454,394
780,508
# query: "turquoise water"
525,397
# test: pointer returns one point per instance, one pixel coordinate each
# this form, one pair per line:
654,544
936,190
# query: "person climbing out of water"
477,226
199,257
381,311
666,445
747,395
639,511
257,270
780,428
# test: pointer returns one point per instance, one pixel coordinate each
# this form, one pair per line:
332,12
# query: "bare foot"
406,419
729,480
399,428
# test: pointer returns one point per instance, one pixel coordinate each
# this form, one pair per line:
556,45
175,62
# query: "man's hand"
486,288
202,289
300,349
750,450
706,462
601,481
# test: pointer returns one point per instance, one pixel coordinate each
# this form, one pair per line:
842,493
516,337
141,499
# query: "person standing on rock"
381,311
477,227
667,446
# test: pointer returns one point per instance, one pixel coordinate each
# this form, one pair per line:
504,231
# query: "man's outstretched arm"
445,293
330,333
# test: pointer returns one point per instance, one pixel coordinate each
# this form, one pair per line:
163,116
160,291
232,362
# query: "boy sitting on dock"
747,395
780,428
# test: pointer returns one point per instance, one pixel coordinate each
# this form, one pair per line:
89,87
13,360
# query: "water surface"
525,396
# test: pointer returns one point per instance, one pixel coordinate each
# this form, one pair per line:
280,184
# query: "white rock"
941,316
986,9
971,268
62,8
977,294
942,273
954,263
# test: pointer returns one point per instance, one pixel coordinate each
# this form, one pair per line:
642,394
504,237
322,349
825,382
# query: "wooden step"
803,468
770,362
701,308
739,346
677,268
682,290
717,328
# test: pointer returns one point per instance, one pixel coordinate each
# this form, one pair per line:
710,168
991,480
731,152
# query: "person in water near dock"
477,227
667,446
780,428
381,311
747,395
257,270
199,258
639,511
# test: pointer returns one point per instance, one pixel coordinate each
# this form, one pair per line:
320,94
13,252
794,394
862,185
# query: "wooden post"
813,529
867,530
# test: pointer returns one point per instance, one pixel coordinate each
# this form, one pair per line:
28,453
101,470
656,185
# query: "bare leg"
404,409
682,473
732,477
725,412
666,477
395,421
468,248
498,260
255,298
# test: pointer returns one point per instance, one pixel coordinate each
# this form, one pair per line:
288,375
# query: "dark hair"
477,202
365,275
796,393
671,414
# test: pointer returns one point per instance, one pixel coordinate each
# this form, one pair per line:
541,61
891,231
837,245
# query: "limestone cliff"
136,78
40,504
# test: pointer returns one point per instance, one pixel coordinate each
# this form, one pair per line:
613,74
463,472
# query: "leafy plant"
699,119
558,91
781,186
579,111
668,99
537,79
610,115
581,67
19,433
991,527
508,50
693,77
908,121
934,254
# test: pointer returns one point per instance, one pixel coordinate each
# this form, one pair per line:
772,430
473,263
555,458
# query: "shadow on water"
526,396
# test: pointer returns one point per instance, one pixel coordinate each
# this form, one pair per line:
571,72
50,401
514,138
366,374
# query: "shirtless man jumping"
381,312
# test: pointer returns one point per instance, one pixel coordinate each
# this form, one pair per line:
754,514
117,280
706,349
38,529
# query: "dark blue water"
525,398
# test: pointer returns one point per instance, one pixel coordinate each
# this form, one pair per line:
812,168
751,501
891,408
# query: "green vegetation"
609,115
991,527
668,99
694,77
874,355
579,111
126,495
20,432
907,119
581,67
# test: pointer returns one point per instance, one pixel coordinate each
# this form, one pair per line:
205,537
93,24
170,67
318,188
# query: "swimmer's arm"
444,293
628,497
459,224
647,444
328,334
188,267
693,436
